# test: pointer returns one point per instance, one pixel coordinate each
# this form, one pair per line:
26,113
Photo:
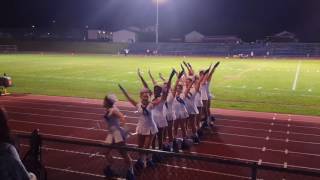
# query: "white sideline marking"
286,151
74,171
92,120
294,85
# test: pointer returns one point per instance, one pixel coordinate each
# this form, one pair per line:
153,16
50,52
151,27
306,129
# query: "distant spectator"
11,167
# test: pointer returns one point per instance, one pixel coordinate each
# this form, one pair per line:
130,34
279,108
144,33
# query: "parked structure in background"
194,37
223,39
283,36
98,35
124,36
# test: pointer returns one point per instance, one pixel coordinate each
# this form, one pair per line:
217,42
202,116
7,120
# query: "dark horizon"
247,19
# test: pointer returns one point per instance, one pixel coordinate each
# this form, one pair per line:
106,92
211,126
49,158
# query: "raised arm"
162,78
143,81
151,77
165,95
189,67
212,71
131,100
177,82
186,92
120,116
201,81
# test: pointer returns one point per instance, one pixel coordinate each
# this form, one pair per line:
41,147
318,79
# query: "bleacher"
225,49
8,48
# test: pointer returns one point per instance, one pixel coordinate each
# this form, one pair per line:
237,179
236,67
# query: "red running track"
266,138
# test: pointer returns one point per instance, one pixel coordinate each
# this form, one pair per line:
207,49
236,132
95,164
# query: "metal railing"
252,165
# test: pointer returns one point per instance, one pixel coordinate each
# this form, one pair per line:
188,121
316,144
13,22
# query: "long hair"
5,136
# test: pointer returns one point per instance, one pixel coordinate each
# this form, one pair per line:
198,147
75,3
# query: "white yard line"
294,85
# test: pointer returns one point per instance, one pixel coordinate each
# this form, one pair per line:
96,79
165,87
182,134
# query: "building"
124,36
223,39
283,36
194,37
96,34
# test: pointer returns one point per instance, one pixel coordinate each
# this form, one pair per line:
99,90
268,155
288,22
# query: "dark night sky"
249,19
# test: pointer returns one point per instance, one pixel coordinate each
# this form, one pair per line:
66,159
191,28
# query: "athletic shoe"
108,172
151,164
139,164
176,145
130,175
186,144
200,133
156,158
196,139
166,147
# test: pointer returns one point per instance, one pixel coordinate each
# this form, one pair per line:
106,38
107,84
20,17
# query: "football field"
270,85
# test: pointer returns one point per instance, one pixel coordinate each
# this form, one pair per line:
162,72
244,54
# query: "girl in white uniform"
208,94
198,103
116,135
146,127
160,94
180,113
192,90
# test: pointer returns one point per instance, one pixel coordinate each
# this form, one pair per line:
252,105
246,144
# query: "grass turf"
258,85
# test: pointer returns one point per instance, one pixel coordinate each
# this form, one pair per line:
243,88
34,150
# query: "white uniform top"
204,92
167,108
116,134
158,116
146,125
198,100
179,108
210,96
190,102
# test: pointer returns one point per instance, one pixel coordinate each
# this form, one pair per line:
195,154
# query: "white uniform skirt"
198,100
146,130
179,111
159,119
116,135
191,107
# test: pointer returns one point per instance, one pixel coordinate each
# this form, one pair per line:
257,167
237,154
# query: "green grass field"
258,85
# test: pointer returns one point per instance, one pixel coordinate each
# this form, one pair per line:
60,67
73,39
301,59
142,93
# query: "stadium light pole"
157,23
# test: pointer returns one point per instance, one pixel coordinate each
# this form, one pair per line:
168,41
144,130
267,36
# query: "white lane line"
265,123
264,130
267,138
167,165
75,172
206,171
206,142
294,85
137,117
57,125
134,124
232,145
